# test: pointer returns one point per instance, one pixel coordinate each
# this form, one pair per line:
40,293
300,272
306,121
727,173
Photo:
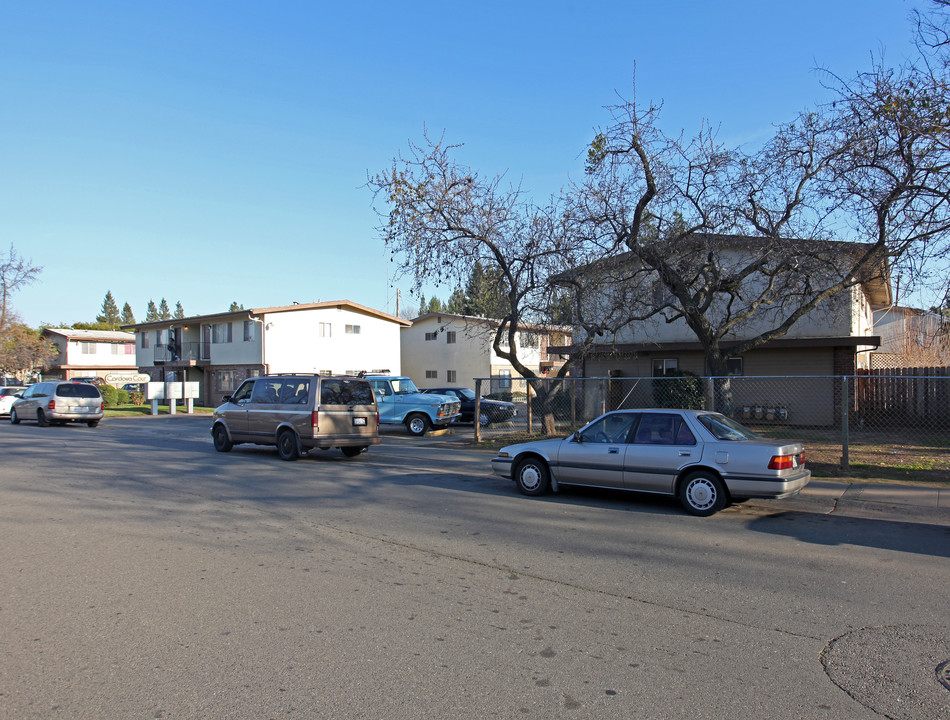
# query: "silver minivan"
297,413
58,402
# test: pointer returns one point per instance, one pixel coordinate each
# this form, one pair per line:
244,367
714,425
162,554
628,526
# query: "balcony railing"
187,352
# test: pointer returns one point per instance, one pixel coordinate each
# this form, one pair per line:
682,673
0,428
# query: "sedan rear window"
77,390
725,429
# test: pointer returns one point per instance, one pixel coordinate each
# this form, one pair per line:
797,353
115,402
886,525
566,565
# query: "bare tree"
15,273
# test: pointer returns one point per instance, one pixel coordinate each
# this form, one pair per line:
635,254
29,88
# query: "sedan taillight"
782,462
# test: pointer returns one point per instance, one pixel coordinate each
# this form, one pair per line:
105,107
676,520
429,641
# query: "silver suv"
58,402
298,413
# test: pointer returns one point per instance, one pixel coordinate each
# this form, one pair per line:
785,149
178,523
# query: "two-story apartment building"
221,350
444,349
89,353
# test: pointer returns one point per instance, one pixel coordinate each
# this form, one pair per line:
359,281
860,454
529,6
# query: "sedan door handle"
613,451
685,453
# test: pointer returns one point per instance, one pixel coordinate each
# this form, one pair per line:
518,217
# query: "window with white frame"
450,376
663,366
432,374
504,379
530,340
325,373
87,348
144,340
734,366
352,329
450,337
250,331
431,336
326,329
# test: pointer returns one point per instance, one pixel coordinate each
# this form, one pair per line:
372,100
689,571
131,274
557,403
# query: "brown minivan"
297,413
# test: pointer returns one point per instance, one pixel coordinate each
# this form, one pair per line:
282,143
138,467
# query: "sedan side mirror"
577,437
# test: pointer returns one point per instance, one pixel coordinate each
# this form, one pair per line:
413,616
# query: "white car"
703,458
8,394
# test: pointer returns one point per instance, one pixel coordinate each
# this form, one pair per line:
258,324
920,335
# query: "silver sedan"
703,458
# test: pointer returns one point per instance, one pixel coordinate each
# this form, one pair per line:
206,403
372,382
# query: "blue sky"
216,151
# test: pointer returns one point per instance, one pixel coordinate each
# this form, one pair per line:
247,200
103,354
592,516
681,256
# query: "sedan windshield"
725,429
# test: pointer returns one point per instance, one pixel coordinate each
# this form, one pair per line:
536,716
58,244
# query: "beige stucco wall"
470,356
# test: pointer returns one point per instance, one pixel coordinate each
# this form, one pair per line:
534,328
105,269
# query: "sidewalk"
890,501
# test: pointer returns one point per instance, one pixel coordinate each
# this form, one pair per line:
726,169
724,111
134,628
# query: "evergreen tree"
235,307
435,305
163,312
151,313
423,305
109,317
485,292
128,317
179,311
457,303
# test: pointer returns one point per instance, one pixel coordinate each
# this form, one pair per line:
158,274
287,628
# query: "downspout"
263,346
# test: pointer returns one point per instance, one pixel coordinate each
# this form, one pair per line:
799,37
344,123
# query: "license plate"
359,421
80,409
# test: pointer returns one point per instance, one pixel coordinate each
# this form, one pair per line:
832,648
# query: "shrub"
679,389
109,395
122,397
137,398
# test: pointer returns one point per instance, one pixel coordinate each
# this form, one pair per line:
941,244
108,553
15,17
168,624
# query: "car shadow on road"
830,530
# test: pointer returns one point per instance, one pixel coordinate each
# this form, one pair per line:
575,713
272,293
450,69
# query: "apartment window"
504,379
663,366
662,295
325,373
432,374
250,330
431,336
87,348
326,330
352,329
450,337
123,348
221,333
224,380
734,366
450,376
530,340
145,340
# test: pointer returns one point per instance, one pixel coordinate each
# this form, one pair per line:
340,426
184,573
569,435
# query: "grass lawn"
146,409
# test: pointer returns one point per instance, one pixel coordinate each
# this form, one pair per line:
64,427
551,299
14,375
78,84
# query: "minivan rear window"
77,390
345,392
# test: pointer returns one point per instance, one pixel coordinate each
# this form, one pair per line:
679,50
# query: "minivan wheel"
14,420
417,424
222,443
532,476
353,451
93,423
287,445
702,493
41,419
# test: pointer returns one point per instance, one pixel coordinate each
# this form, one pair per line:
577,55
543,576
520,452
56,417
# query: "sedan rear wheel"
533,476
702,493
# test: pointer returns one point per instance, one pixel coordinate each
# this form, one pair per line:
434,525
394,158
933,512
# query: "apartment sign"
119,379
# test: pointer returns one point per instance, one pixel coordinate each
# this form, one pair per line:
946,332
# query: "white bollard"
154,407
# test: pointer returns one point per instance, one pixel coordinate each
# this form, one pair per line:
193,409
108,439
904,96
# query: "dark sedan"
490,411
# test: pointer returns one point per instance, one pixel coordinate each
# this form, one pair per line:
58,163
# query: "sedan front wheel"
533,476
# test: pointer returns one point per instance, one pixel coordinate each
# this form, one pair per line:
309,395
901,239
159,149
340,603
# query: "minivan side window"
266,390
243,392
294,391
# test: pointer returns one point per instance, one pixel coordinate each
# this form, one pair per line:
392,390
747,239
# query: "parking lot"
146,575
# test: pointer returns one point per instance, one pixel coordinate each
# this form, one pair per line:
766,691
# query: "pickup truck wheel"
417,424
287,445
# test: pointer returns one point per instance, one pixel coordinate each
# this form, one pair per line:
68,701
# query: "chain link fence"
873,419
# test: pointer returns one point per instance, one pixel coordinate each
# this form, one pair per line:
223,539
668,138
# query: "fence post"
478,407
845,459
527,397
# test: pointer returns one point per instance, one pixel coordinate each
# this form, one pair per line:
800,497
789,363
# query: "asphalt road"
144,575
